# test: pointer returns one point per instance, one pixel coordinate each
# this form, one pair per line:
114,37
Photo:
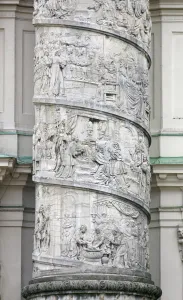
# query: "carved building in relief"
91,150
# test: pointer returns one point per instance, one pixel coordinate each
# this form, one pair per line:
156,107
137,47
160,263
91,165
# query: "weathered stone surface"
84,229
128,18
90,145
104,289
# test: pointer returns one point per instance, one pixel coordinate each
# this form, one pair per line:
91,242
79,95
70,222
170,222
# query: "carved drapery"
90,146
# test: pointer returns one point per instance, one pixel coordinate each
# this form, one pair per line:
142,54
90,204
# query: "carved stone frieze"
76,146
129,18
90,229
79,68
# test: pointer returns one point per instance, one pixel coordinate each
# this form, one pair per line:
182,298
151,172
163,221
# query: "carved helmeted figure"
91,151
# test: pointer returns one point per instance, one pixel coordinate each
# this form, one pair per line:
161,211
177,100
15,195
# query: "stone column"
91,140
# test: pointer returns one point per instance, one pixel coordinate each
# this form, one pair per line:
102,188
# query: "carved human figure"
59,145
106,12
89,131
115,244
66,169
42,231
122,5
81,241
131,100
124,12
69,247
145,175
110,70
121,257
180,239
147,26
133,244
139,8
141,165
54,8
144,253
101,157
71,149
38,145
117,169
106,248
46,73
98,239
57,76
50,141
180,233
67,147
110,168
39,7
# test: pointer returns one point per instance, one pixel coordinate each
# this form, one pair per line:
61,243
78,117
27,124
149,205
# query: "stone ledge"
167,174
28,3
11,171
167,161
166,4
91,286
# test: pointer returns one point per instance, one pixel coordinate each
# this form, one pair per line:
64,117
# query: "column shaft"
91,140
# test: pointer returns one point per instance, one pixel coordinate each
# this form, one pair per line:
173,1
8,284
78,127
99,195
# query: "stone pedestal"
91,140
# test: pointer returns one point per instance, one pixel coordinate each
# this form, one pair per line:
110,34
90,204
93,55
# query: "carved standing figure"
81,241
42,232
121,257
69,248
98,239
57,76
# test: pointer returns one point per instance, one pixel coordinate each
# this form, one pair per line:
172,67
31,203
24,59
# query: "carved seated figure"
98,239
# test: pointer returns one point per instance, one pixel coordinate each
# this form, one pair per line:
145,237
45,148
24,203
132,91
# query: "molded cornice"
28,3
166,4
167,175
12,173
9,8
166,10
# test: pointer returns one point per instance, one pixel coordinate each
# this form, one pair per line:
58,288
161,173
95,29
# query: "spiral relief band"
91,150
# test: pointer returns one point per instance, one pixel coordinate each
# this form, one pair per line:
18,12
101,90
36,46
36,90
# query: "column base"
92,289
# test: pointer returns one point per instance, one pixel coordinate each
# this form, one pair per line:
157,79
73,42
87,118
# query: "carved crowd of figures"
101,230
73,67
131,17
72,145
118,238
